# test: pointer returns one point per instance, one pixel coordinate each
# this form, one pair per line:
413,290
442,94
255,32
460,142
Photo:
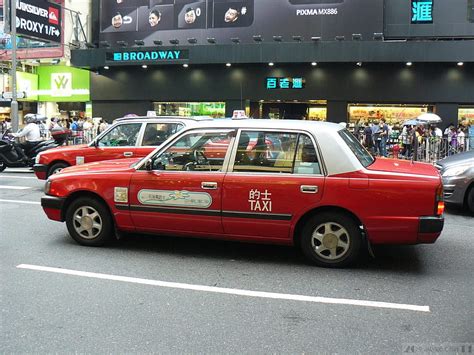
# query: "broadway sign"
38,19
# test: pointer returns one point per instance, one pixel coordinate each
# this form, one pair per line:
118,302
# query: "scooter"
13,156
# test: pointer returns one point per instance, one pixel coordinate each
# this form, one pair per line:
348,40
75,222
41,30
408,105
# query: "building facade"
340,61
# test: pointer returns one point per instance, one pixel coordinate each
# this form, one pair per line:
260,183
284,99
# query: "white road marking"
229,291
17,177
15,187
18,201
20,170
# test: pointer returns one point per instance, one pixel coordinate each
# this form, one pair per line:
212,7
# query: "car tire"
470,200
89,222
56,168
331,240
3,166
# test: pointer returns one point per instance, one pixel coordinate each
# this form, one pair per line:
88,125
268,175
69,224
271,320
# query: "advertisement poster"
429,18
151,20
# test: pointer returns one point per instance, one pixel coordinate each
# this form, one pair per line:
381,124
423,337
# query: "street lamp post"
14,104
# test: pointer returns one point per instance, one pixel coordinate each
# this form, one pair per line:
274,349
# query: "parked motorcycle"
13,156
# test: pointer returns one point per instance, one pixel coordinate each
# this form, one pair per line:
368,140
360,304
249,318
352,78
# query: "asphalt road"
45,311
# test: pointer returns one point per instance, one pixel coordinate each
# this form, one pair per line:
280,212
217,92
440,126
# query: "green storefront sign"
63,84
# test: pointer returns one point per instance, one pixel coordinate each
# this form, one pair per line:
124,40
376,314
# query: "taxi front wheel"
56,168
89,222
331,240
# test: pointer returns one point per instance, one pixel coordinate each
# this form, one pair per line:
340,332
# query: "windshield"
358,149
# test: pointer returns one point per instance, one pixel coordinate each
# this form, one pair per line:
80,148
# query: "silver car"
457,172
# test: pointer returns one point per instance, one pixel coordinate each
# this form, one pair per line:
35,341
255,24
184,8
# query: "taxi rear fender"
322,209
89,194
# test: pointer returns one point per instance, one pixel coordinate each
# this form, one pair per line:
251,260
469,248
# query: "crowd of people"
83,130
419,141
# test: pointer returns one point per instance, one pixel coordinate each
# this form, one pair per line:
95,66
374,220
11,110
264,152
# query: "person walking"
383,137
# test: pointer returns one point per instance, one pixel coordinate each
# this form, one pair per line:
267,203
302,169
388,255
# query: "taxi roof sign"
237,114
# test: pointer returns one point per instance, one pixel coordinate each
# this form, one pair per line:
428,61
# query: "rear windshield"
358,149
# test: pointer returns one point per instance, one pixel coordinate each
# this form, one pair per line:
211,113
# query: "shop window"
186,109
466,116
317,113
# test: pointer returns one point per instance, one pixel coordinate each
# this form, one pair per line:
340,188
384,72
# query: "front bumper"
41,171
430,228
53,207
454,189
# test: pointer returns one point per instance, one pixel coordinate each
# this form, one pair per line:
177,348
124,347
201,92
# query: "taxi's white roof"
276,124
159,118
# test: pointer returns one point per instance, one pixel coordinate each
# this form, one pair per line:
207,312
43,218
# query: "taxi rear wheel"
331,240
56,168
89,222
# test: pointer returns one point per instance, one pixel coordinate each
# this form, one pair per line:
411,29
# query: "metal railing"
429,149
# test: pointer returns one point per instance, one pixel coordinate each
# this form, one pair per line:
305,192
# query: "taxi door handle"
209,185
309,189
128,154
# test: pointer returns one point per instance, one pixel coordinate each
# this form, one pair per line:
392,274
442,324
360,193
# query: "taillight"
439,201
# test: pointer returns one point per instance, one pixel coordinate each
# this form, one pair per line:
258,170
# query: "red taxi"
309,184
128,137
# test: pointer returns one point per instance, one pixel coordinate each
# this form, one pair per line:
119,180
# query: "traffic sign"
8,95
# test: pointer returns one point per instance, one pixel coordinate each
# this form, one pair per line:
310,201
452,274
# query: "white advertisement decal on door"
175,198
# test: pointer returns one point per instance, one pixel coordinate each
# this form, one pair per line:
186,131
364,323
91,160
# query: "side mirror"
149,165
95,143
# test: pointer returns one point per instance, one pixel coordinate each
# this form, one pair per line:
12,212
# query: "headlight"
37,159
47,187
455,170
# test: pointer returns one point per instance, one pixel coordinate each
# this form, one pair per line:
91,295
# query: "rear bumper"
41,171
53,207
429,229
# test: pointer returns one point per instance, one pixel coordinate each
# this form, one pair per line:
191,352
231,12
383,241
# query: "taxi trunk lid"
403,167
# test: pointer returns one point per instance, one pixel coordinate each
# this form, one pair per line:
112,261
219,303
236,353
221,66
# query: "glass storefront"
316,113
213,109
393,114
314,110
466,115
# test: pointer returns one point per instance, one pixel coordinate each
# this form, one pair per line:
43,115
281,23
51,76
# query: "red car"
309,184
128,137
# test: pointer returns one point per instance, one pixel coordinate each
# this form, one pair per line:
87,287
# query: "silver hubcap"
87,222
330,241
57,170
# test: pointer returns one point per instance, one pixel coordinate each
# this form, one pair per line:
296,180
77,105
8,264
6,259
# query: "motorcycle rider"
31,132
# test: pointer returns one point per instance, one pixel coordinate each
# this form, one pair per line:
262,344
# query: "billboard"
63,84
164,20
429,18
27,48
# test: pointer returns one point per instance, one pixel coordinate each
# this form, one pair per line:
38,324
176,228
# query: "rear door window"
276,152
156,133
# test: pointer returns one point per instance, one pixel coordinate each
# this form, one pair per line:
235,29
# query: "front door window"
197,151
